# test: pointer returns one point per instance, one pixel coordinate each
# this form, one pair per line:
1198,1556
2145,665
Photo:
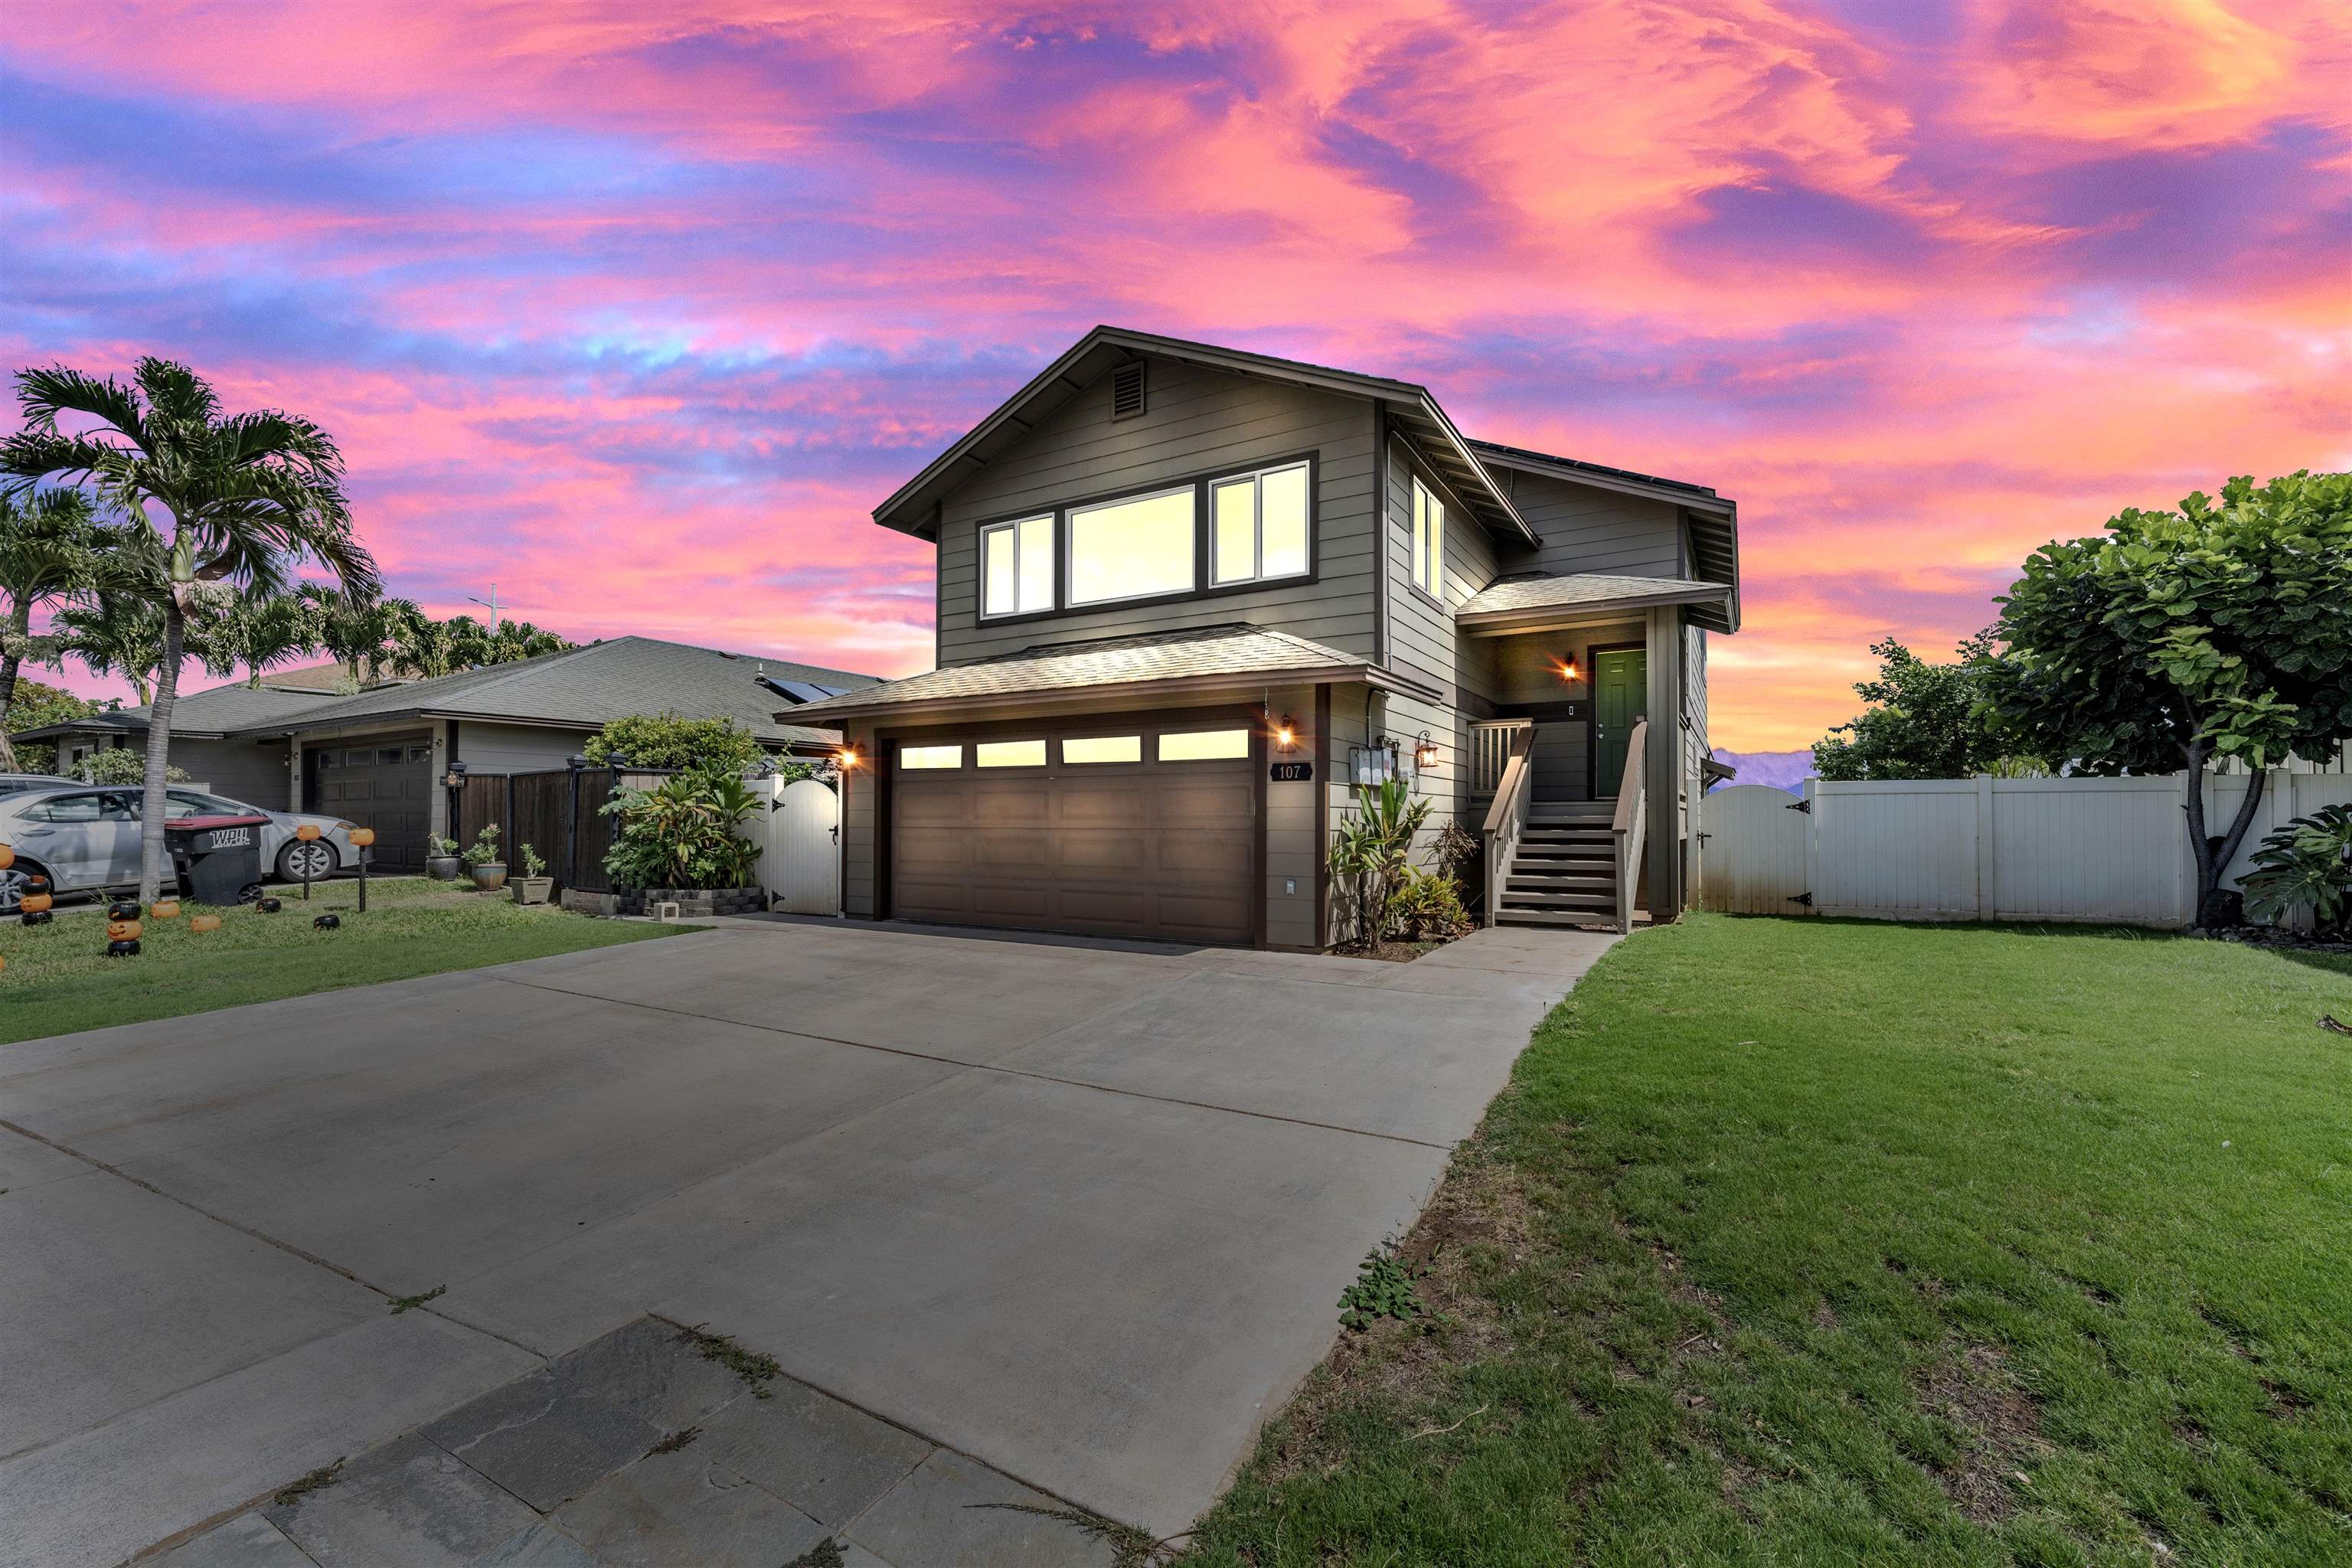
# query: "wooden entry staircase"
1565,872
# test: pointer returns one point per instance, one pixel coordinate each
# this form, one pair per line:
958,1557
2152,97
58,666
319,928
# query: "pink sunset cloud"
638,311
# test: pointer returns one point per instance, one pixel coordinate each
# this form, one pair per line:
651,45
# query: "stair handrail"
1631,825
1507,819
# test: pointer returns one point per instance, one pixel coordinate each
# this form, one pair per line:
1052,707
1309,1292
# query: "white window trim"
1257,477
980,564
1069,531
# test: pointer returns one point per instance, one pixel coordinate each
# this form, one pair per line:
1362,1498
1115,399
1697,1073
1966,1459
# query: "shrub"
485,848
2307,865
122,765
1369,851
683,834
668,740
1428,904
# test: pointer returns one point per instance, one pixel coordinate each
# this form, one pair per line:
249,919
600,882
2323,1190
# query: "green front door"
1621,694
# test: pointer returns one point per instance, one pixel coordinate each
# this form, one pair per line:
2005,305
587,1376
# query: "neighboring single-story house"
203,725
380,757
1190,596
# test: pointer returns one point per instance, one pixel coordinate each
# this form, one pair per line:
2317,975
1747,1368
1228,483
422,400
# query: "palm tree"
261,631
50,551
242,498
119,635
357,632
423,647
516,640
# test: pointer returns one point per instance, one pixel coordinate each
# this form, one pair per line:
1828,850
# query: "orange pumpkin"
204,922
307,831
361,838
7,856
33,903
164,909
123,930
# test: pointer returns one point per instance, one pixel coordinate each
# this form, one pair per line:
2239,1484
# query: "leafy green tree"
259,631
423,648
215,502
51,551
358,633
2180,637
670,740
37,705
1923,721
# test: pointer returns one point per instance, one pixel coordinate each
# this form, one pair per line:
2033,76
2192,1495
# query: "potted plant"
534,884
441,857
482,862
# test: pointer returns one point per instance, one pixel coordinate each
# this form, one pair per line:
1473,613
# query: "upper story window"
1016,566
1428,539
1258,525
1132,549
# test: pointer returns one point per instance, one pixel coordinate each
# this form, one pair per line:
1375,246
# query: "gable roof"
199,715
1237,653
587,687
1519,602
913,509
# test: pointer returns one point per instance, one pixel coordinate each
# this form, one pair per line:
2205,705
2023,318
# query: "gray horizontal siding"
1584,529
1196,421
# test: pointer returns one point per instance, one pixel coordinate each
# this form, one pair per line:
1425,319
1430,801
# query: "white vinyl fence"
1983,849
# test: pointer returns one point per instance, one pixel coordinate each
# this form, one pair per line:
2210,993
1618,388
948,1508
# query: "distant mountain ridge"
1782,770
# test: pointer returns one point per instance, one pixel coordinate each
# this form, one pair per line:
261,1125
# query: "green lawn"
1820,1242
58,978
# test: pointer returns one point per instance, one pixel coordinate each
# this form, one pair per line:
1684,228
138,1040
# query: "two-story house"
1189,598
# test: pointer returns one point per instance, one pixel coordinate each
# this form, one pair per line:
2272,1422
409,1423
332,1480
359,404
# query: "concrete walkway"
1067,1220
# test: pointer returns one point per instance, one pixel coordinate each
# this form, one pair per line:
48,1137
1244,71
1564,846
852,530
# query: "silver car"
85,839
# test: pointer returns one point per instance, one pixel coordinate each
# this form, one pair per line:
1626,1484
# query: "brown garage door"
385,784
1129,827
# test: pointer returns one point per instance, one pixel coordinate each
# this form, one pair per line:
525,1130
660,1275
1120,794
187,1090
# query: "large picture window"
1016,566
1258,526
1428,541
1131,549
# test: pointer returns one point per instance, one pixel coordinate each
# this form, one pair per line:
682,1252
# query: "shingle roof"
199,714
1588,589
1236,650
590,686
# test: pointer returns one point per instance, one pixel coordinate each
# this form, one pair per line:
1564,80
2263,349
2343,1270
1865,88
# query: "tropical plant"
51,550
473,644
2215,631
357,633
237,501
423,647
2307,865
118,634
260,630
533,863
1428,904
484,850
1924,721
683,833
671,739
120,766
438,847
1371,850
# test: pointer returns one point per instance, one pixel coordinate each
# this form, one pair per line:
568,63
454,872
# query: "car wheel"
312,856
17,881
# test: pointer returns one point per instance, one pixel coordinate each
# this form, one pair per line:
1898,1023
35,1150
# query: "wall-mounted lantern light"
1424,753
1568,670
1285,734
847,756
456,778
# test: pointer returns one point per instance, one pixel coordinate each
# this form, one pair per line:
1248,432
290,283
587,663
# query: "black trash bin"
219,856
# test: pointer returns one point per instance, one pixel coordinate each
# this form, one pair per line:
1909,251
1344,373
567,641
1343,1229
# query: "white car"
85,837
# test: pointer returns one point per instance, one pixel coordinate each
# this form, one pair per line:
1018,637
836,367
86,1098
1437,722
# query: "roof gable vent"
1127,390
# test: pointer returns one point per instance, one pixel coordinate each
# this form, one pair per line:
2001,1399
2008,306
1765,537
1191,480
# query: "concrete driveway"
1077,1212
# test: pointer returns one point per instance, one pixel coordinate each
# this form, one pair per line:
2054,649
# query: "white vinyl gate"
1982,849
800,865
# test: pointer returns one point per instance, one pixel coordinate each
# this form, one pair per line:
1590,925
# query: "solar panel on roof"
799,690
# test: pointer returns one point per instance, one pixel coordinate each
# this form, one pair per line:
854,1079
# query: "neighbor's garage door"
1133,828
385,784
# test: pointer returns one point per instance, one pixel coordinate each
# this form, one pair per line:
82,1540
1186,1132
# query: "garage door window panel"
1093,750
1203,745
920,758
1010,753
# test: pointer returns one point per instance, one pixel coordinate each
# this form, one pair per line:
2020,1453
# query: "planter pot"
532,890
488,877
441,867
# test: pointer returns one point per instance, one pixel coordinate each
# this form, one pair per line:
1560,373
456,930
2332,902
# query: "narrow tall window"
1428,539
1258,525
1017,567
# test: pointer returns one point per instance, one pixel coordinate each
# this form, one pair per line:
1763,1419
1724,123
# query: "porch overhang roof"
1117,671
914,508
1540,602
